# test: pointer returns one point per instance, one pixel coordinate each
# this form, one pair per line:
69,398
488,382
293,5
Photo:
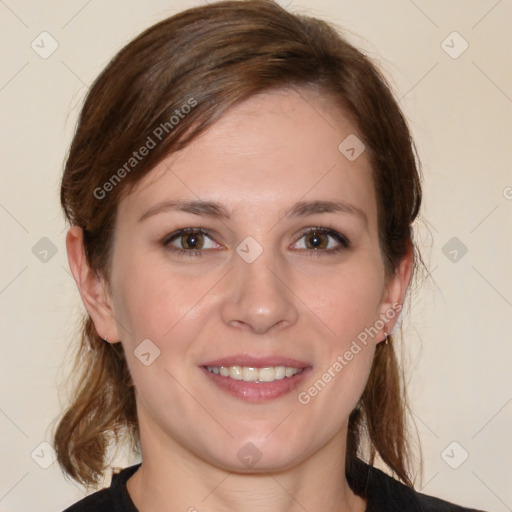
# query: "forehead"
275,148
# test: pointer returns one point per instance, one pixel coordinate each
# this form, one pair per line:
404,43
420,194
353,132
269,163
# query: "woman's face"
257,288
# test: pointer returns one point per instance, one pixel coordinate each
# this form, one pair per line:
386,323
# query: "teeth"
235,372
289,372
250,374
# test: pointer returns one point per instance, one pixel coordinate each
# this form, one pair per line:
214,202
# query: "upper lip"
256,362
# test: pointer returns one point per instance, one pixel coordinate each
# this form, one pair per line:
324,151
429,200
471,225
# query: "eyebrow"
217,211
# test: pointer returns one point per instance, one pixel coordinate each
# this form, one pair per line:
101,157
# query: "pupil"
191,241
315,240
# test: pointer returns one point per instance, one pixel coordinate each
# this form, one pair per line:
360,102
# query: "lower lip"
257,392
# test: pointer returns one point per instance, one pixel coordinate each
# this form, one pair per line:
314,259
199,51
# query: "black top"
382,494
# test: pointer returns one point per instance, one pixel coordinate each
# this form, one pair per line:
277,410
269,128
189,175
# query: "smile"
251,374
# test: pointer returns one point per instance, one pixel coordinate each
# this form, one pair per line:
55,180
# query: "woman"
241,189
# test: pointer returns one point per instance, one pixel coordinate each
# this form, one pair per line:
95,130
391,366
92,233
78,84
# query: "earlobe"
91,286
394,294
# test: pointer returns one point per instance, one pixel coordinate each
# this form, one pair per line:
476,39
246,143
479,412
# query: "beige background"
457,334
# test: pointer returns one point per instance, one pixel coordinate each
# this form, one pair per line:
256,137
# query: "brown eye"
323,240
189,241
192,240
315,240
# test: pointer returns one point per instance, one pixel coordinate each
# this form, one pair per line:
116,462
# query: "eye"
194,241
317,239
191,241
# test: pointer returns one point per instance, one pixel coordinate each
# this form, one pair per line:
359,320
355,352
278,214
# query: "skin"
263,156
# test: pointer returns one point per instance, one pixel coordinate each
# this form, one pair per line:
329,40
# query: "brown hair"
212,58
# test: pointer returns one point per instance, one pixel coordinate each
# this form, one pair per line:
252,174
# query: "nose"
260,296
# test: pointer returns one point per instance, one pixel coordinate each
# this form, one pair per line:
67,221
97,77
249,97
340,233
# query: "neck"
174,478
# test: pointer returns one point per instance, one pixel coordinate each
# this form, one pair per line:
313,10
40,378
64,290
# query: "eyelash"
341,239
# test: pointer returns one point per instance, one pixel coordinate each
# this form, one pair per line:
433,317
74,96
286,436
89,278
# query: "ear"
92,287
394,294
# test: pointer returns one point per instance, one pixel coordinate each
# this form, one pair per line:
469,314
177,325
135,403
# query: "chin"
259,456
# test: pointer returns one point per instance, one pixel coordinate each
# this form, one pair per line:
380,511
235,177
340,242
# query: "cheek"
151,300
349,309
157,317
347,301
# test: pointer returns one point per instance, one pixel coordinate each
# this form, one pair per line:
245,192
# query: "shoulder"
111,499
385,494
100,501
432,504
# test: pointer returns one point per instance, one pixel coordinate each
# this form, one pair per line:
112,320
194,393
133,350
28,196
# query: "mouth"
256,379
250,374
